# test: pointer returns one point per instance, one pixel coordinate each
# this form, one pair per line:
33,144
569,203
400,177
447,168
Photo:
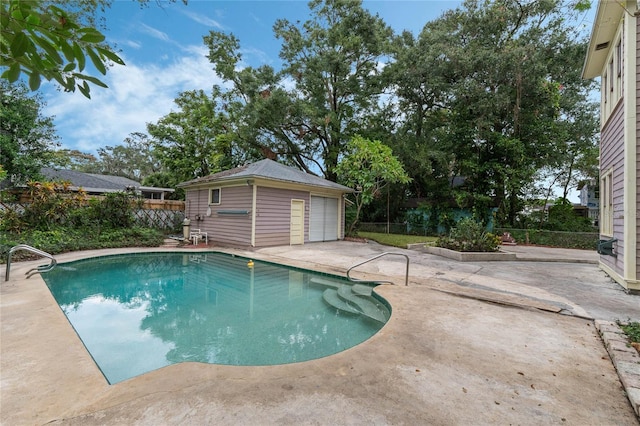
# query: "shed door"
296,230
323,219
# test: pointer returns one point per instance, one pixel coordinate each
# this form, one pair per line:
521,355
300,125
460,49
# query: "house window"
214,196
606,205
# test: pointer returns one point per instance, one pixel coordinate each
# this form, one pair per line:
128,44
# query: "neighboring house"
590,198
96,184
614,56
265,204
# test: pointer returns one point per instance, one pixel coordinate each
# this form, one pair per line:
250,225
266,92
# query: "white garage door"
323,219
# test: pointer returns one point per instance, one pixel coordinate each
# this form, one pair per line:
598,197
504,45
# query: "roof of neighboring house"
604,30
92,182
271,170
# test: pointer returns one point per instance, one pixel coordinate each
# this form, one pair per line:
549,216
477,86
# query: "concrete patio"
474,343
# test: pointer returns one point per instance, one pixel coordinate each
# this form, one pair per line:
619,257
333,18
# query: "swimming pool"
139,312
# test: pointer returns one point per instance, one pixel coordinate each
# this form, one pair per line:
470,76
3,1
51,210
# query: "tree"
194,141
52,40
332,61
494,90
369,166
134,159
27,139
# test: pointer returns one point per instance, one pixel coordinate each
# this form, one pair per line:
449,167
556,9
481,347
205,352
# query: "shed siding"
273,215
226,229
612,155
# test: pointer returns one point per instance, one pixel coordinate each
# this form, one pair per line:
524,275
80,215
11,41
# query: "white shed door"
323,219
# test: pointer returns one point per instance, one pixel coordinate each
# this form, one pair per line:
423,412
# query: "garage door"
323,219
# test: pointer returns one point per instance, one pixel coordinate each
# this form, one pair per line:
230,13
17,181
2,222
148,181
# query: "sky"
162,47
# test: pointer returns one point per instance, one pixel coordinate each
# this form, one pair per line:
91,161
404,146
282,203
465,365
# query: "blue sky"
163,49
164,55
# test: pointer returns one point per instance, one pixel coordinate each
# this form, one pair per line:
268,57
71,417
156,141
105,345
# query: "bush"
577,240
469,235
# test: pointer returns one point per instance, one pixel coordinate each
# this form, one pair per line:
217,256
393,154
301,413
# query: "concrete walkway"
468,343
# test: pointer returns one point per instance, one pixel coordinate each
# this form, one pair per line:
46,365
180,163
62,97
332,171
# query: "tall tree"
27,139
369,166
193,141
135,158
332,61
503,81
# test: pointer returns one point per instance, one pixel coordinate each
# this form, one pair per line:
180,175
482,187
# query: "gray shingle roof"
268,169
88,181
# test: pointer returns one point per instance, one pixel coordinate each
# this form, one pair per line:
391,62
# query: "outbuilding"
265,204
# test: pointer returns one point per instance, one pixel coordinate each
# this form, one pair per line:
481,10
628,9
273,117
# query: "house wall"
226,229
612,155
273,215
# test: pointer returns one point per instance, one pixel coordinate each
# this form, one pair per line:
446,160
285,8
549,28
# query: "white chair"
196,234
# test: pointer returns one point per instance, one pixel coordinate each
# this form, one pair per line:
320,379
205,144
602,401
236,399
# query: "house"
614,56
97,184
265,204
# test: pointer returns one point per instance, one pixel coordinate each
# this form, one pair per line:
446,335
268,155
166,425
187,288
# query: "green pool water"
139,312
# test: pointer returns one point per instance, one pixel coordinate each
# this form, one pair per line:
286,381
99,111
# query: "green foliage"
576,240
469,235
65,239
632,330
396,240
27,139
43,40
333,60
193,141
368,166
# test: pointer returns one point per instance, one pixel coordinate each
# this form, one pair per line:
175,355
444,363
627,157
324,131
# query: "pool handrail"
386,253
32,271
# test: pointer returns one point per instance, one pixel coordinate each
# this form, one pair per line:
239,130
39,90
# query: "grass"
632,330
396,240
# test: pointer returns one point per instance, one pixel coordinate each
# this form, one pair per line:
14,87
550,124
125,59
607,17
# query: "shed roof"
271,170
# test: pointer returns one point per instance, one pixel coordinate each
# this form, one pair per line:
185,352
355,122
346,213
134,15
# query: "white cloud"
137,95
201,19
154,33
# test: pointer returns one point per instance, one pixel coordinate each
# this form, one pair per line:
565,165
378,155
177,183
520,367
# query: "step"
326,282
331,297
362,289
366,304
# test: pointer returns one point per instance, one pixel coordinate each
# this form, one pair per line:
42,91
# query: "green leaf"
48,47
97,62
110,55
84,89
69,67
13,73
19,45
93,80
91,35
34,81
67,50
79,55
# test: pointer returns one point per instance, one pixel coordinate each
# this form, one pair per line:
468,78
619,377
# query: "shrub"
469,235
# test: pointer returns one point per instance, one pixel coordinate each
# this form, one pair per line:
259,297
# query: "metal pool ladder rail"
33,271
386,253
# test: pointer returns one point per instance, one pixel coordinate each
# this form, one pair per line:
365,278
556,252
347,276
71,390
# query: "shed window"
214,196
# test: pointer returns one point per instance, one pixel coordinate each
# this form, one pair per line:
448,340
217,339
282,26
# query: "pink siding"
226,229
273,215
612,155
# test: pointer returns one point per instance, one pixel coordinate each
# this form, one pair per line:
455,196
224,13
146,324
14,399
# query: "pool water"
139,312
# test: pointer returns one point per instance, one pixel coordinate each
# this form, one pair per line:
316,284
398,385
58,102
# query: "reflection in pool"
139,312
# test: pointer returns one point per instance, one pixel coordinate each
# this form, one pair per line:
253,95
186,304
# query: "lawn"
396,240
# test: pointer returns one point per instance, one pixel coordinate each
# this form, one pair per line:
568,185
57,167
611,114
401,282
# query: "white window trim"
211,196
606,204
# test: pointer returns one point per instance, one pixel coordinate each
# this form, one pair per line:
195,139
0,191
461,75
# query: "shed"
265,204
